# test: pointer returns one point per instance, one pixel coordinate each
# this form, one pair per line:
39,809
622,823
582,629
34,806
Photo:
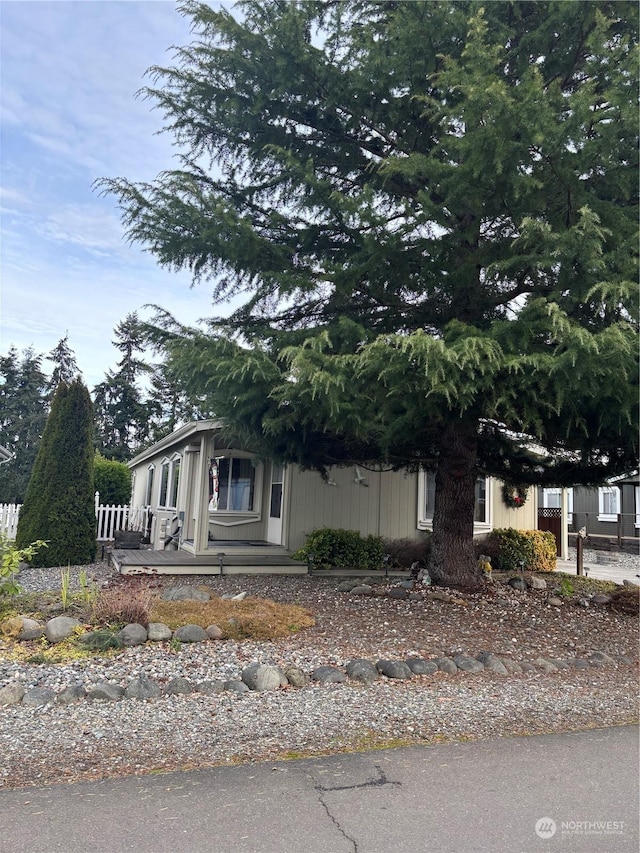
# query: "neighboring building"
208,495
611,512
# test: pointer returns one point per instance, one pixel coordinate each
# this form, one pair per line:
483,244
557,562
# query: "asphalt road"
567,793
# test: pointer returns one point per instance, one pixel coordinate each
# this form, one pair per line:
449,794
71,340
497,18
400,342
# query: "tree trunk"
452,558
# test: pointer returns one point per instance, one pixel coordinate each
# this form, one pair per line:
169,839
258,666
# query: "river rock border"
262,677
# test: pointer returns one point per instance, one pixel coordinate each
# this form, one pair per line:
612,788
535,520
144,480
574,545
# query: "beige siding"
525,518
387,506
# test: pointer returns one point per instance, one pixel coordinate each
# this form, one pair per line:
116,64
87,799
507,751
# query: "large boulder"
158,632
60,628
38,696
142,688
133,634
362,670
105,690
420,666
190,634
185,593
468,664
11,694
328,675
394,669
260,676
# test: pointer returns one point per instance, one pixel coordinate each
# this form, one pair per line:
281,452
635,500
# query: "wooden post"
619,529
579,554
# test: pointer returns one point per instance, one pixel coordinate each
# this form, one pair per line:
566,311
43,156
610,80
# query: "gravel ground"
90,740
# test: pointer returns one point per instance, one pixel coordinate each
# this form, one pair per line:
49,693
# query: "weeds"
65,582
122,604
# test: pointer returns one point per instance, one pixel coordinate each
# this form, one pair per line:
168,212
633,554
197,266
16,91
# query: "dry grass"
254,618
122,604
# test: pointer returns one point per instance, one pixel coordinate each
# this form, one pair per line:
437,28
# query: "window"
149,491
426,496
608,503
232,484
169,480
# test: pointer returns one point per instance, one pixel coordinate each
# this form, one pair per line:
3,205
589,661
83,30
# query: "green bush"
112,480
330,548
10,559
533,550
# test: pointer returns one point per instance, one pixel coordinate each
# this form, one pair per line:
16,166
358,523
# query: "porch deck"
278,562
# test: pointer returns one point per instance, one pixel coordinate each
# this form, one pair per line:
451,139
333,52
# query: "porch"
227,558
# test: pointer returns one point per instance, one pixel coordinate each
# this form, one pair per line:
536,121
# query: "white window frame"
232,517
171,465
608,490
425,513
149,484
556,493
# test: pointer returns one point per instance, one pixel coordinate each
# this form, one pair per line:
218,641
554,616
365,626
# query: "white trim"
637,507
557,503
608,516
425,518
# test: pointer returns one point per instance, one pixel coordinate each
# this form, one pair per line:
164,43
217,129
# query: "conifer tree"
23,413
65,365
431,209
59,503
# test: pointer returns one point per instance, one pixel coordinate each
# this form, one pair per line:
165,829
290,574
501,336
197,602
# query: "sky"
69,73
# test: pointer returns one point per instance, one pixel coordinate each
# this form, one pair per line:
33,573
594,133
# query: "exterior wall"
387,507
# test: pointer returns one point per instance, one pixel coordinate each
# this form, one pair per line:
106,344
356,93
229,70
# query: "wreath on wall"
514,496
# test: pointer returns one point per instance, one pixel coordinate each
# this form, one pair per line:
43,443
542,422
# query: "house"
609,514
215,502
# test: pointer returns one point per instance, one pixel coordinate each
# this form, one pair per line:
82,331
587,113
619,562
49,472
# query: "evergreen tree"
65,366
122,416
59,503
23,412
432,207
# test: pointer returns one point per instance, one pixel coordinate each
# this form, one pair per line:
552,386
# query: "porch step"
180,563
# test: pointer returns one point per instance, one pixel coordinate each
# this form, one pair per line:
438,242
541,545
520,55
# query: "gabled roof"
176,437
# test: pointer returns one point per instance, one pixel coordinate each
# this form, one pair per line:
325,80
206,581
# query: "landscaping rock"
437,595
60,628
362,670
492,663
38,696
525,666
601,598
362,589
296,677
397,592
260,677
31,633
214,632
578,663
185,593
558,663
600,659
518,583
394,669
133,635
512,666
105,690
447,665
210,688
190,634
406,584
347,586
468,664
239,597
420,666
142,688
11,694
545,665
235,686
158,632
554,601
72,693
180,686
537,583
328,675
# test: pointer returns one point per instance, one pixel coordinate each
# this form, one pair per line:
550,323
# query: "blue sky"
68,76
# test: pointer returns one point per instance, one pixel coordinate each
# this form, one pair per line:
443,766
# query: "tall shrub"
58,505
112,479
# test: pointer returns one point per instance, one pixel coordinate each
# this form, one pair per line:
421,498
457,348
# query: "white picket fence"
109,518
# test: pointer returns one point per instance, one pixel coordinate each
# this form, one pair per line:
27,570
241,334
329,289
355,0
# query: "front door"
276,498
